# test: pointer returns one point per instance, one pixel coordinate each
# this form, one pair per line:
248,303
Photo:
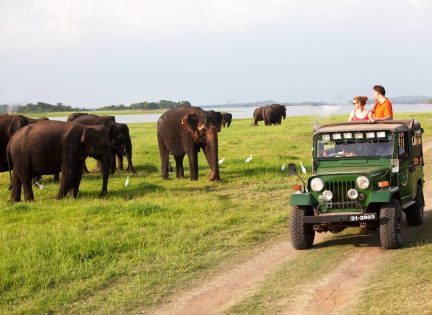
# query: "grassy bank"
145,240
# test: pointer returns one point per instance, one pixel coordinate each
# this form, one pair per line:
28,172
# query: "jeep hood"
354,170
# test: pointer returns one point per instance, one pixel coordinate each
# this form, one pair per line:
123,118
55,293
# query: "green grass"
143,242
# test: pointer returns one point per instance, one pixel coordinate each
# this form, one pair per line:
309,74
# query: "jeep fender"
382,196
303,199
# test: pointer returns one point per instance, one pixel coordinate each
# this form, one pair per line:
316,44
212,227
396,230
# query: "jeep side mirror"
395,165
292,169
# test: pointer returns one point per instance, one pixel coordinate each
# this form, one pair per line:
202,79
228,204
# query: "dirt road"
337,290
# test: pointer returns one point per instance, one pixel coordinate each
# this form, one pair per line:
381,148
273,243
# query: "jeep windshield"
351,145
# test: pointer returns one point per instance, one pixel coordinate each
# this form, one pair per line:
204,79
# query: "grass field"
145,241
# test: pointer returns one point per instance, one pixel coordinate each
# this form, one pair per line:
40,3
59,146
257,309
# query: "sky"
92,53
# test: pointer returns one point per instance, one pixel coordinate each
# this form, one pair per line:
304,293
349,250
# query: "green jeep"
363,175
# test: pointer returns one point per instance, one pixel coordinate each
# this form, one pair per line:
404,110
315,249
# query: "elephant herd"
31,148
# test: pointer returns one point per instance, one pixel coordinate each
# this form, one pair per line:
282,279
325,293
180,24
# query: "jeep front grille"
340,197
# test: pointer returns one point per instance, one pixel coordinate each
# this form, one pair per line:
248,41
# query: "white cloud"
71,20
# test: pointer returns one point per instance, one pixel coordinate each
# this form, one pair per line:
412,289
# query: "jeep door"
404,175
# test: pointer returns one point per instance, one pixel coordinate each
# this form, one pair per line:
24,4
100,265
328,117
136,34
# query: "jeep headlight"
327,195
317,184
363,182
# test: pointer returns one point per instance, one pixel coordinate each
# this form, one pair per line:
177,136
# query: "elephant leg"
119,158
16,187
193,164
98,165
27,181
130,164
56,177
113,163
179,165
164,157
66,182
77,179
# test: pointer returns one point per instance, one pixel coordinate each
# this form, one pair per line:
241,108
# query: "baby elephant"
51,147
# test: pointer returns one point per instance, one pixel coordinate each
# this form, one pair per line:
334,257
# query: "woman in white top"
359,112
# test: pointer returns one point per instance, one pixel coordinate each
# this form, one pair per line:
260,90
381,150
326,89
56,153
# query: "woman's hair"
361,99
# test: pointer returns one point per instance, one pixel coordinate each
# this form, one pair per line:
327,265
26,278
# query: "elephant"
226,119
121,140
51,147
9,124
258,115
73,116
185,130
273,114
36,120
91,118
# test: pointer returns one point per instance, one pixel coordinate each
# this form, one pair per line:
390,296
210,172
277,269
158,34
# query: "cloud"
134,18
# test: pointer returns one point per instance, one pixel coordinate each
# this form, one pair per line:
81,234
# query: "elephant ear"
89,136
16,124
190,121
214,119
112,130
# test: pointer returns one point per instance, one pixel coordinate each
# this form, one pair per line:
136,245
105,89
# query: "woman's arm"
351,115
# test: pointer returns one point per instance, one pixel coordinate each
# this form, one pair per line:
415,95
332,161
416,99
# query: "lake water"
246,112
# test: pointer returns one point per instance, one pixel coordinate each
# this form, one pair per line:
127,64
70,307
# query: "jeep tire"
414,214
302,235
390,222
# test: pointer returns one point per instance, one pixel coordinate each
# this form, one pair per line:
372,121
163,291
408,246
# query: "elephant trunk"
211,153
106,167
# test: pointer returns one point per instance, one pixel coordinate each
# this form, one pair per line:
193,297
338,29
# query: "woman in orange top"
359,112
383,109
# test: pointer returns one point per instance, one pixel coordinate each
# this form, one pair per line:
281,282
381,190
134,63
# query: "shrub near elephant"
51,147
185,130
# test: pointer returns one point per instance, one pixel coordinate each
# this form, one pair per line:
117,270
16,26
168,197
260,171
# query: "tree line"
41,107
162,104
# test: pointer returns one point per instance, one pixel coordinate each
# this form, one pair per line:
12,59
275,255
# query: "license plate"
363,217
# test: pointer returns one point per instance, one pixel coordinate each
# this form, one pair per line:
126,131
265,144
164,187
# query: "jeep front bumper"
339,218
